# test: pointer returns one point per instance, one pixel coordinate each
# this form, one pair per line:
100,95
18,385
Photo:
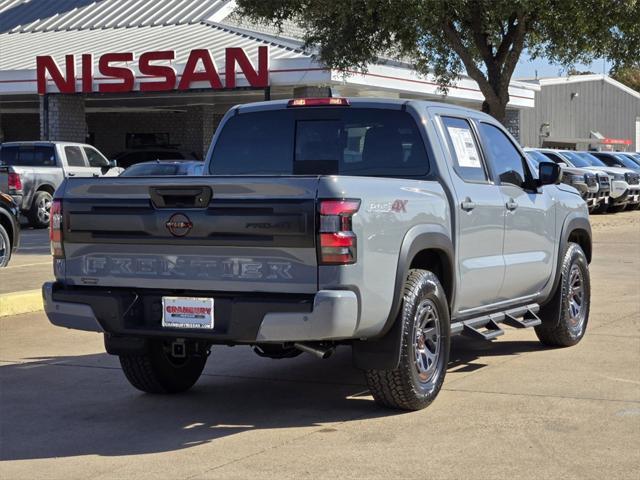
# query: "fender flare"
383,351
574,221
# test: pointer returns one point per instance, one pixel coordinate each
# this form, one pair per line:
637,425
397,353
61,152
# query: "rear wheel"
5,247
158,371
40,209
417,380
565,317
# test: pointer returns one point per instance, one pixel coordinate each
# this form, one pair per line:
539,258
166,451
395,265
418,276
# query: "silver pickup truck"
385,225
31,171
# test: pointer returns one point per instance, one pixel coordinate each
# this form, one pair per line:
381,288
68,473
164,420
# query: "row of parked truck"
607,181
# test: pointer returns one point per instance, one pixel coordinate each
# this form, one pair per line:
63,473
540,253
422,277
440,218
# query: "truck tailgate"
242,234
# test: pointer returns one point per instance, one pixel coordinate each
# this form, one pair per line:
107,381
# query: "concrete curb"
20,302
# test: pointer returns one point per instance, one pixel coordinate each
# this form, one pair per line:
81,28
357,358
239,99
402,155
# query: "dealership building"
109,71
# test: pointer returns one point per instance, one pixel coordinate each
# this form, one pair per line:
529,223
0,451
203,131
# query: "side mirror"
549,173
111,164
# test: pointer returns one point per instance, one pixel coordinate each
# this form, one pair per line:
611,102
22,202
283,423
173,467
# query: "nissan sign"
116,74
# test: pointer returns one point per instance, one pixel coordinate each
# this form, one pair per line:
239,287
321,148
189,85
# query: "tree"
628,74
485,38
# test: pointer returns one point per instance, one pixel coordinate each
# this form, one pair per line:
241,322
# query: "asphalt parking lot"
511,409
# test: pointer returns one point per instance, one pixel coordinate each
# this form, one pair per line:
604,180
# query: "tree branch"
507,41
472,70
514,54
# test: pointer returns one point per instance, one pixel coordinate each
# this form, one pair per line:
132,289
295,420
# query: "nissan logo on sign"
156,71
179,225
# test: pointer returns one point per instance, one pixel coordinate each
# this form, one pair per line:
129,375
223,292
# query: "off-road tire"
616,208
36,218
557,328
401,387
157,372
5,247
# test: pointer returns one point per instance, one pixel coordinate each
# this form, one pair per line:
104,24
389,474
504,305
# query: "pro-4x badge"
397,206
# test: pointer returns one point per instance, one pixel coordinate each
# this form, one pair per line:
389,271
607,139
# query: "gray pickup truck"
31,171
385,225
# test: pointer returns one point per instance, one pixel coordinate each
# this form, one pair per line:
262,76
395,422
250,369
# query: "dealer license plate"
187,312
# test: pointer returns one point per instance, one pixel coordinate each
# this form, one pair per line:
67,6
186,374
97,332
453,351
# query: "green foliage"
485,38
629,75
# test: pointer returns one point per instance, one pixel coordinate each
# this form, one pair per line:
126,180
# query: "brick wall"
512,123
66,118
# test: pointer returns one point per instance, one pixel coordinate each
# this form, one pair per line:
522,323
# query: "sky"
527,68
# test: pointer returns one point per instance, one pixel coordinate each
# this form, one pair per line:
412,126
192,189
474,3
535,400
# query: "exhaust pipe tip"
322,353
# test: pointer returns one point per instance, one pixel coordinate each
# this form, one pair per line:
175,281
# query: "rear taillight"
55,229
337,244
15,183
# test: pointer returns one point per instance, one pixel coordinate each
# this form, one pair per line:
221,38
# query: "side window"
504,157
462,144
95,158
553,157
74,157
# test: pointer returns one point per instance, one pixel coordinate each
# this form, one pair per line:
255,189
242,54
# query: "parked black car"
9,228
138,155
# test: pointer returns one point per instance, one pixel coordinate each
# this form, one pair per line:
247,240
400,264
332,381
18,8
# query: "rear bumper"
239,318
20,201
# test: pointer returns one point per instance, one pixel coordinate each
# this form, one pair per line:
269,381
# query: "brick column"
200,124
66,119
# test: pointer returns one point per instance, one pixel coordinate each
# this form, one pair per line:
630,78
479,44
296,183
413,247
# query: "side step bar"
487,327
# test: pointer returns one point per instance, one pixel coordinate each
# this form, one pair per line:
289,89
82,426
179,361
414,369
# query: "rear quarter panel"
389,208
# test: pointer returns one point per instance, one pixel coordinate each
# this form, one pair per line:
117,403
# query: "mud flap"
381,353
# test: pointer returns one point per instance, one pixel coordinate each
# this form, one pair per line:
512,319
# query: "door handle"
512,204
467,205
71,174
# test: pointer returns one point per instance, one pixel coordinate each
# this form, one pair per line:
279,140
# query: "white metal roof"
19,50
56,15
596,77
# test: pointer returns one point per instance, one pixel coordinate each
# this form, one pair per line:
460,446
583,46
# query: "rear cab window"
321,141
28,155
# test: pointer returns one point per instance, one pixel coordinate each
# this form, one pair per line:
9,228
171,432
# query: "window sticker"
465,147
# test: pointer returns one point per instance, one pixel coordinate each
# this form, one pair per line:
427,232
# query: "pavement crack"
273,447
540,395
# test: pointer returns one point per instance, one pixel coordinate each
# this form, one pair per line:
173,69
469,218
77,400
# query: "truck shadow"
82,405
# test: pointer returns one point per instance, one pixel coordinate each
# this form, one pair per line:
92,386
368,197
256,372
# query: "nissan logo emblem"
179,225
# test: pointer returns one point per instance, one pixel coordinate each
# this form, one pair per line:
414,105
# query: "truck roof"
371,102
43,142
